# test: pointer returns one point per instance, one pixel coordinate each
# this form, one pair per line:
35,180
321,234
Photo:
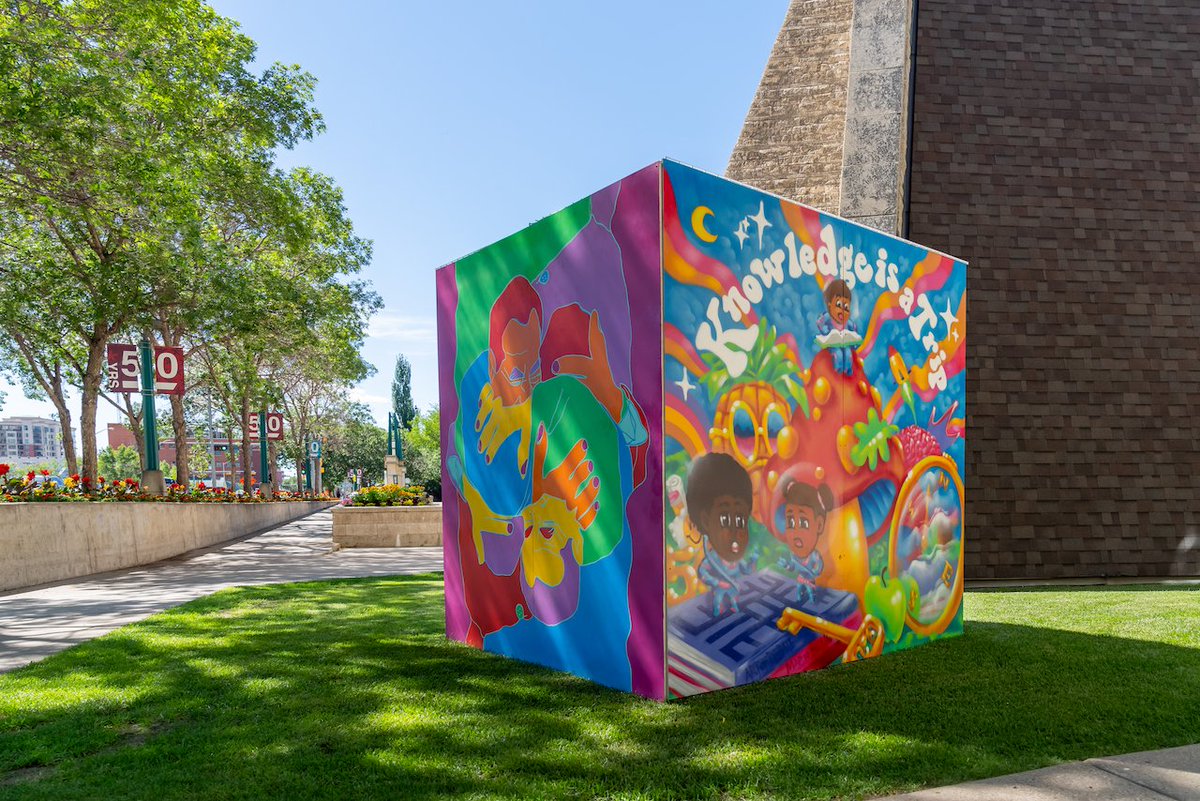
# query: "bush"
389,495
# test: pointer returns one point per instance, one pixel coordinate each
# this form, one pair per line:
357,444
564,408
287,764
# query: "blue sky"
453,124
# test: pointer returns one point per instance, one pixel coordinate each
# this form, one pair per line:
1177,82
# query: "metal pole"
212,446
262,451
148,421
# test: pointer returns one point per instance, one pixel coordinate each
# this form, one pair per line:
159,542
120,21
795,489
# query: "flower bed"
362,521
35,488
388,495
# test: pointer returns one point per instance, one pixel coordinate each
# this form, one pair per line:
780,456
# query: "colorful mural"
551,401
814,437
696,436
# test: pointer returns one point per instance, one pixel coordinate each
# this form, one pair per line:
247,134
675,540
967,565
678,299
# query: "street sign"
123,369
168,370
314,449
274,426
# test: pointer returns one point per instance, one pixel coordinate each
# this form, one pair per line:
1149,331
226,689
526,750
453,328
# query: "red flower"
3,469
131,483
200,486
74,476
29,476
101,479
87,482
45,472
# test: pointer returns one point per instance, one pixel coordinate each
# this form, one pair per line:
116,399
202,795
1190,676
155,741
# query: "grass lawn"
348,689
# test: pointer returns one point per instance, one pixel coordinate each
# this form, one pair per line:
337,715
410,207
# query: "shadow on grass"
349,690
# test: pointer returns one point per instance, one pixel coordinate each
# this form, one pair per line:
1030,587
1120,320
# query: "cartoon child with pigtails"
799,523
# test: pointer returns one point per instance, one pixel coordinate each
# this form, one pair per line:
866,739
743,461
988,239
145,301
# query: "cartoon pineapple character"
753,409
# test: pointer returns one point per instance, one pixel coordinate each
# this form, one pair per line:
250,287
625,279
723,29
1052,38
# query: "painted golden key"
862,643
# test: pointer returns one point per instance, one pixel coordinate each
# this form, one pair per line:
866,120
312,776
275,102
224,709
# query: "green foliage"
423,453
767,362
390,495
199,459
354,442
141,195
119,463
402,401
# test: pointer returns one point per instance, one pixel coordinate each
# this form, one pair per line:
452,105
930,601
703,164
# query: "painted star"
684,384
948,316
761,220
741,233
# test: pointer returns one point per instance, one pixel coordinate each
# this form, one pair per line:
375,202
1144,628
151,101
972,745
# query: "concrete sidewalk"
39,622
1169,775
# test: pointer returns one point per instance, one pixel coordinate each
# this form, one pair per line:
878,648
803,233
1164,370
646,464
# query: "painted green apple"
912,595
884,599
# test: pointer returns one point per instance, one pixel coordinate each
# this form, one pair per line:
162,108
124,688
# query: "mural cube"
696,436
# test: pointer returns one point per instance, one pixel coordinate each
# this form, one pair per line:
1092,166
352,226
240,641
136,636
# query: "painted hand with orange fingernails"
574,480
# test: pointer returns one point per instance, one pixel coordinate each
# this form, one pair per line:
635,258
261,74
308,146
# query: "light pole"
152,477
263,482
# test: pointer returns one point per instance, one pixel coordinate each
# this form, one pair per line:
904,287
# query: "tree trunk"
273,464
247,477
58,398
50,379
68,438
135,428
301,461
91,397
179,424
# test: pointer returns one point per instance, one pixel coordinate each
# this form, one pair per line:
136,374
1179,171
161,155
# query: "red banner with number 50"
124,369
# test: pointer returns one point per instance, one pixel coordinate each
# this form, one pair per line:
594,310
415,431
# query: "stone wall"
1057,148
387,526
791,143
45,542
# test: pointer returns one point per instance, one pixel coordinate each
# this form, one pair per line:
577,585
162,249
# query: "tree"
120,462
423,453
122,120
402,402
357,442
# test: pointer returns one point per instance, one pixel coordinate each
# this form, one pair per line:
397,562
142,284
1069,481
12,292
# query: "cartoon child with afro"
720,498
798,525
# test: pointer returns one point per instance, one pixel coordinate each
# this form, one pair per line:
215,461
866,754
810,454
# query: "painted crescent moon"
698,223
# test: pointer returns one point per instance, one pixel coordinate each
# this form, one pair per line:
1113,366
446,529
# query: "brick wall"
791,143
1057,147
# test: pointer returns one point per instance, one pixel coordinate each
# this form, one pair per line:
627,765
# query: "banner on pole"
168,370
122,368
124,371
274,427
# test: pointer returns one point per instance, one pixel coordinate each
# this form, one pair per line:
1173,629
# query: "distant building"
225,471
30,440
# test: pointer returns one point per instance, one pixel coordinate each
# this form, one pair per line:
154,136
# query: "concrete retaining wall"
44,542
387,526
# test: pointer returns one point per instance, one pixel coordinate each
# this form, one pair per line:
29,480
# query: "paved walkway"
1169,775
39,622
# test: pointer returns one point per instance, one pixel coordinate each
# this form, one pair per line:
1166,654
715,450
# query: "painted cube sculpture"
696,436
